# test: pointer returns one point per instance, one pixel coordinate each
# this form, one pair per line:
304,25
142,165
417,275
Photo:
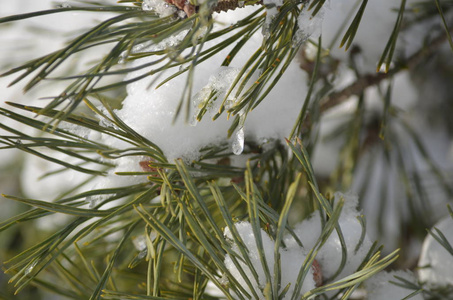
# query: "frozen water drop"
139,242
266,30
238,141
309,26
146,6
30,268
93,200
142,254
241,3
196,110
122,57
193,120
64,5
181,14
138,48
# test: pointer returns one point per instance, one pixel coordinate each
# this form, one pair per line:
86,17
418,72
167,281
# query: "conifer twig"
365,81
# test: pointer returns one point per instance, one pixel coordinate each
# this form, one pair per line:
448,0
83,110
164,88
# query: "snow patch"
291,262
383,286
162,8
436,263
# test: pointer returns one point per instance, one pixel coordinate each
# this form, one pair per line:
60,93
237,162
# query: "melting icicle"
218,85
238,141
271,12
309,26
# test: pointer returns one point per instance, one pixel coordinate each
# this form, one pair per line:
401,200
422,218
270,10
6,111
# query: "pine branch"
365,81
185,210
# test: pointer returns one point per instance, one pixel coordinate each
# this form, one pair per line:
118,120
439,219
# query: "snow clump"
292,260
219,83
309,26
436,263
329,256
151,110
387,285
271,12
293,256
162,8
374,31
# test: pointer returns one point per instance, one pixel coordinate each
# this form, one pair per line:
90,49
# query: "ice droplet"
162,8
122,57
146,6
238,141
64,5
241,3
266,29
181,14
30,268
193,120
138,48
139,242
93,201
197,108
142,254
309,26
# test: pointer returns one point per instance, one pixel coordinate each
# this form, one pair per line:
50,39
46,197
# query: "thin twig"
225,5
221,6
368,80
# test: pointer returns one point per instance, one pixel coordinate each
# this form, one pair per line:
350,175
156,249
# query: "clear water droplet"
241,3
238,141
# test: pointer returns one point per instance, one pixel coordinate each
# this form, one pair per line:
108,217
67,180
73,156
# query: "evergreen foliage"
165,235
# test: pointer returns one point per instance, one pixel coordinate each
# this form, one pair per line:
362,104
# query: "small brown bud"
317,273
